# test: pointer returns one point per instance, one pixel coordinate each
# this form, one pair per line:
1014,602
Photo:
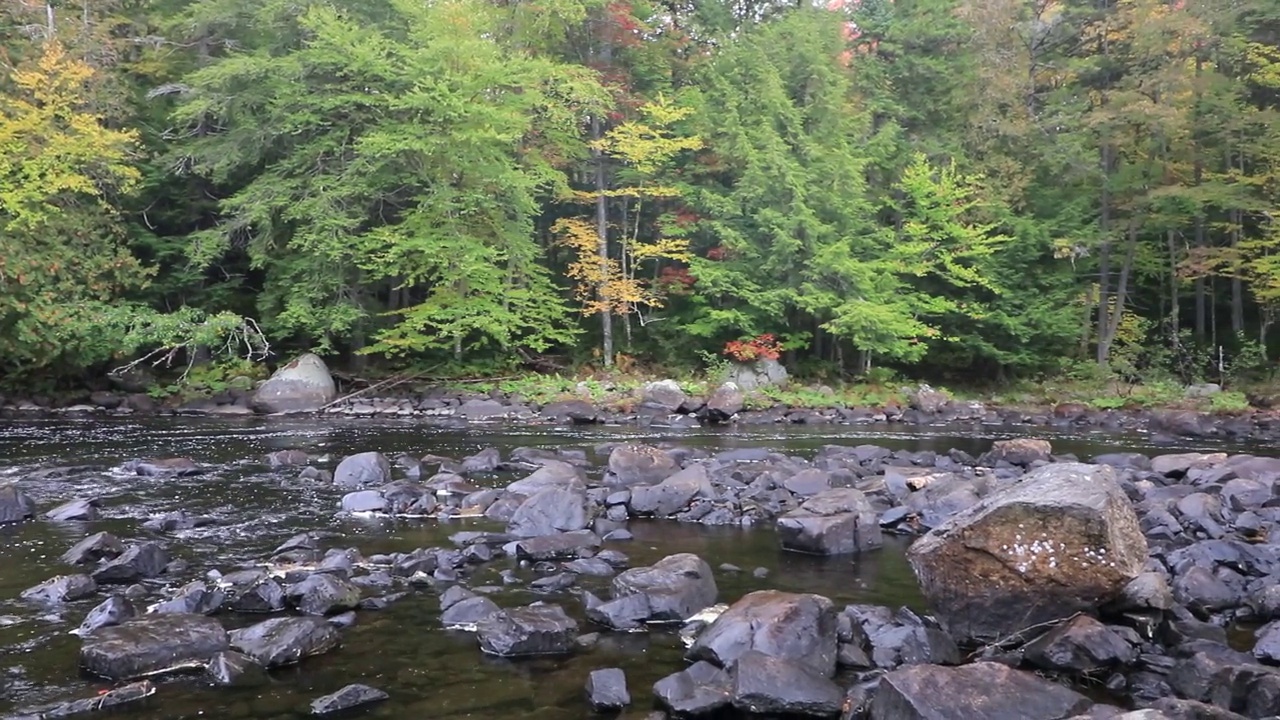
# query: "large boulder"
98,546
758,374
800,628
366,468
833,522
640,465
531,630
674,588
724,403
285,640
672,494
61,589
550,511
15,505
152,644
303,385
773,686
1062,541
552,474
323,594
663,395
981,691
138,562
1017,451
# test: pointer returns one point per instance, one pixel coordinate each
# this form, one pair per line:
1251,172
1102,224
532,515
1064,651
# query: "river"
428,672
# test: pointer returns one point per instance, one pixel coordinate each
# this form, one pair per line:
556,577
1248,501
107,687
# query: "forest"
978,189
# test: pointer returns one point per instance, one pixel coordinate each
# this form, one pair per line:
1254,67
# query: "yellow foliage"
601,284
52,150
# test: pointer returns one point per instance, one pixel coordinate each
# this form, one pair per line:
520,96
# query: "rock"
99,546
74,511
113,698
1062,541
981,691
287,458
676,587
323,594
607,690
286,640
351,696
61,589
1018,451
794,627
833,522
531,630
1177,465
664,395
1180,423
758,374
1203,592
640,465
466,614
194,598
724,403
363,501
485,461
482,410
152,644
15,505
700,689
367,468
112,611
1201,390
1080,645
1148,591
138,562
552,474
808,483
560,546
232,669
1266,646
927,400
303,385
255,592
163,467
672,494
550,511
770,685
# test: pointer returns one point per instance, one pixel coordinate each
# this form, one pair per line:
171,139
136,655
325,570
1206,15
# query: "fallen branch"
392,381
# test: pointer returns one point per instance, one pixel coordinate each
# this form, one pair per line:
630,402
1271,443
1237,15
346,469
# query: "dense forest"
983,188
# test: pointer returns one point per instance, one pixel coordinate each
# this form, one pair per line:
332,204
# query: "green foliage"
1229,401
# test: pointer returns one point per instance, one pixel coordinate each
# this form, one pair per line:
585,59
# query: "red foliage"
718,252
760,347
685,217
676,281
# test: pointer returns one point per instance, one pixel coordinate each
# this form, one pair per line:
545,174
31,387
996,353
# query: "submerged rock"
351,696
15,505
233,669
1062,541
981,691
152,644
607,689
163,467
794,627
287,640
531,630
303,385
78,510
113,698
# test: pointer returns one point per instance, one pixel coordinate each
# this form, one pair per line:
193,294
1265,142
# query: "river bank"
571,517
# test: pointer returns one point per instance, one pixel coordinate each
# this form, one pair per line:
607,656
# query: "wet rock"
700,689
368,468
672,494
1147,591
485,461
536,629
467,613
1080,645
152,644
1062,541
1179,709
98,546
78,510
287,458
983,690
323,594
1251,690
1267,644
808,483
1179,464
139,561
1201,591
770,685
550,511
482,410
1197,674
607,690
351,696
175,521
557,547
61,589
232,669
676,587
254,592
795,627
15,505
725,402
362,501
640,465
195,598
112,611
113,698
664,395
833,522
286,640
1018,451
304,385
163,467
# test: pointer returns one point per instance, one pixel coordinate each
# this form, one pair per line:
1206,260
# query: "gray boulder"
351,696
98,546
640,465
112,611
675,588
286,640
773,686
1062,541
799,628
74,511
15,505
724,403
550,511
323,594
531,630
1081,645
672,494
367,468
363,501
303,385
607,690
758,374
138,562
61,589
981,691
664,395
152,644
833,522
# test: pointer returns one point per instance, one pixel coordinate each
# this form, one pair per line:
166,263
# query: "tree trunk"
1122,287
1104,259
1174,300
603,56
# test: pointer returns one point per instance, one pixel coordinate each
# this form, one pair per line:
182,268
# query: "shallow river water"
429,672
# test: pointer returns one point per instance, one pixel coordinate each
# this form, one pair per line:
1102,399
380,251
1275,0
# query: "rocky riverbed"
585,576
